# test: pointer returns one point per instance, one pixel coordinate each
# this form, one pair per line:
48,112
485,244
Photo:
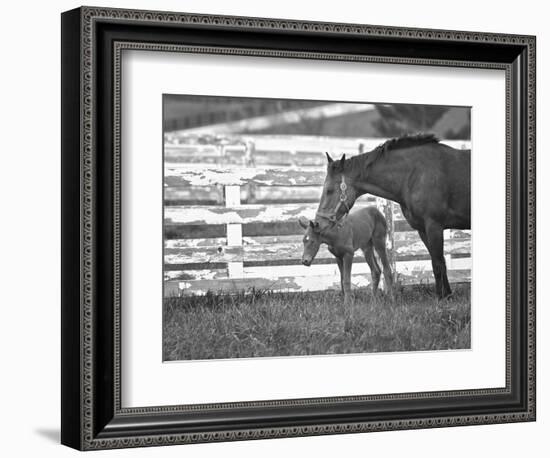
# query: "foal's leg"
433,239
379,241
346,280
373,265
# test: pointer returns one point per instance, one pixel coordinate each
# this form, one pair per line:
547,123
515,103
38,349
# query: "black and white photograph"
314,227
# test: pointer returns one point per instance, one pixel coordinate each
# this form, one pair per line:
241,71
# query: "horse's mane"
362,161
406,141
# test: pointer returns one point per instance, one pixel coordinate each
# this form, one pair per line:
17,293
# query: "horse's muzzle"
306,262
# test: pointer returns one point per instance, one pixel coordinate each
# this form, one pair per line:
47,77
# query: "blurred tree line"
385,120
400,119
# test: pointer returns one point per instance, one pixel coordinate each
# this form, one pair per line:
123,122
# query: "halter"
331,216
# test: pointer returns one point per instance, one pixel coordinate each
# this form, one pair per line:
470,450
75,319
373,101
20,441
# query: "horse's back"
457,175
443,159
442,184
456,162
365,215
365,221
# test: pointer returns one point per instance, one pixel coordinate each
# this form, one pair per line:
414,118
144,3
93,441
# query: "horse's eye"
306,238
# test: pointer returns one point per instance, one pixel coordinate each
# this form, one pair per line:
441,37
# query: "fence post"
235,269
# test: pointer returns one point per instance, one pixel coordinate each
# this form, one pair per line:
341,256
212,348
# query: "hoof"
447,297
348,299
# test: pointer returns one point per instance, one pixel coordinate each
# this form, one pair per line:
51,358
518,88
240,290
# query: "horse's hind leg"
380,246
375,271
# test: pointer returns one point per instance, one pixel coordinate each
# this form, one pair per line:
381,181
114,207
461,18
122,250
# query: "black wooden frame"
92,40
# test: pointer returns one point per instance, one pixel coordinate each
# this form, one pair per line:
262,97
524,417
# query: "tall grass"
265,323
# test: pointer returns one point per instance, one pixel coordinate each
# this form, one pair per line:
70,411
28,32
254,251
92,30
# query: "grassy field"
263,323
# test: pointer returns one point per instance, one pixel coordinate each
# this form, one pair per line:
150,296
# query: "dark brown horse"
430,181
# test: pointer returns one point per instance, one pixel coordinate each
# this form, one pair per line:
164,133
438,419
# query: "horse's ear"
330,160
314,224
303,222
342,161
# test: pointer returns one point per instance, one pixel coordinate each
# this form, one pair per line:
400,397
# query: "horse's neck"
330,238
383,178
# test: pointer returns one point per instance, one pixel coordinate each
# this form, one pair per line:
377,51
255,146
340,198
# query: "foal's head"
339,193
311,240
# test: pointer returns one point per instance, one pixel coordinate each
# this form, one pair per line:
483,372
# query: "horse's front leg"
340,263
346,280
433,239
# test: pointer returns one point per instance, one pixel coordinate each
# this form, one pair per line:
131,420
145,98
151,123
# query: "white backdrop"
30,241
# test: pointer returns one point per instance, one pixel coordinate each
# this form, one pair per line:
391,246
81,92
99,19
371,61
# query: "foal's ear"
314,224
303,222
330,160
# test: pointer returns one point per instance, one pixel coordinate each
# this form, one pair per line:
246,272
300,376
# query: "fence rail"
231,218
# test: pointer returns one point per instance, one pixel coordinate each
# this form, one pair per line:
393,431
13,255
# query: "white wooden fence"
231,212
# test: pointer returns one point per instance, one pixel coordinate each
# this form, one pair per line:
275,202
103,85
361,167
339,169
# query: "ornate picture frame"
93,40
